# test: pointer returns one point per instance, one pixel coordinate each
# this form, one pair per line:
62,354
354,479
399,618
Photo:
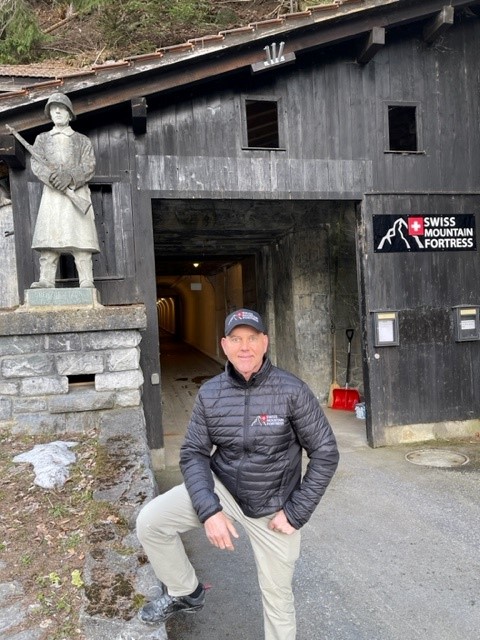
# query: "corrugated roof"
37,70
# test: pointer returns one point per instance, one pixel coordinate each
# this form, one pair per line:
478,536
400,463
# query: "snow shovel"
334,384
346,398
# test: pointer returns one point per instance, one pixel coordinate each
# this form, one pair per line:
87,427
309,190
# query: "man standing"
242,463
63,226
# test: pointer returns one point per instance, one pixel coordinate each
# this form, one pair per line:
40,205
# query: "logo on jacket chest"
265,420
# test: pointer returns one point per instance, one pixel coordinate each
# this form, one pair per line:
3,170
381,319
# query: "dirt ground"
44,534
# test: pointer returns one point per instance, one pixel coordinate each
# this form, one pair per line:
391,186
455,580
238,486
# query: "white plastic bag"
50,463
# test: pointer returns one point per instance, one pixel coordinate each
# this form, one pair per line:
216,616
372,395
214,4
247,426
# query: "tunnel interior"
294,261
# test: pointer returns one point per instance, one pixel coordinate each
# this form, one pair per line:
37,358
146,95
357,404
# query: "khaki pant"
160,522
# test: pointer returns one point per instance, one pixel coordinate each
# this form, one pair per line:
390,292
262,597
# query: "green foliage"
55,579
73,541
87,5
77,579
187,11
96,30
149,23
132,20
26,559
59,511
20,34
76,5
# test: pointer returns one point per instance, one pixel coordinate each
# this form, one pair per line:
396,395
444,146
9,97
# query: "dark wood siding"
429,377
333,115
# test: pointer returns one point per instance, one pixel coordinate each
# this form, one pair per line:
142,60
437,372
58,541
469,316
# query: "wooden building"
323,168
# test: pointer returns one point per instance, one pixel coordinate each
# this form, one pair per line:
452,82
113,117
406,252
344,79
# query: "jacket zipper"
246,415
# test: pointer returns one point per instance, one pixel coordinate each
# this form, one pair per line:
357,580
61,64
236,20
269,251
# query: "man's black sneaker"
165,606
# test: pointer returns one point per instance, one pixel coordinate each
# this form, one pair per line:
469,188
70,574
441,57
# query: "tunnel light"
196,264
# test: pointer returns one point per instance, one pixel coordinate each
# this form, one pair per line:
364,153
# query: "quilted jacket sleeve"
315,435
195,465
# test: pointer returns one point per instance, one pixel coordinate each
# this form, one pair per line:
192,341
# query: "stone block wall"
77,370
61,370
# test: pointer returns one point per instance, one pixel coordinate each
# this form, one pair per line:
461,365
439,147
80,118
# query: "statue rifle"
82,204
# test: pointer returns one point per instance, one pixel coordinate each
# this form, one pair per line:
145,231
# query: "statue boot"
84,264
48,270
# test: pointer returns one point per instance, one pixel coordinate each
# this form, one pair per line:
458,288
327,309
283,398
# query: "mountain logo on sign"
400,229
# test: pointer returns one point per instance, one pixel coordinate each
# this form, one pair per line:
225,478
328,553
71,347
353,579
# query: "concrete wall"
302,312
283,305
166,314
345,294
311,308
233,281
197,306
60,371
315,293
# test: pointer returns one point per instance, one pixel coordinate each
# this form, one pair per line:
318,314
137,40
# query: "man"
257,419
62,225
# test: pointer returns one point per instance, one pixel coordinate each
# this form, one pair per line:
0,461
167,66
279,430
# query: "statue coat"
60,225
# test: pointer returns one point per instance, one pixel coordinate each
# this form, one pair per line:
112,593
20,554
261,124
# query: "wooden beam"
439,24
11,151
139,115
375,41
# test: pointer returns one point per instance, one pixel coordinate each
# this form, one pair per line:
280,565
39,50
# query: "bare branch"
57,25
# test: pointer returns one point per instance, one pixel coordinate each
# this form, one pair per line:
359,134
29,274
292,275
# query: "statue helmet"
59,98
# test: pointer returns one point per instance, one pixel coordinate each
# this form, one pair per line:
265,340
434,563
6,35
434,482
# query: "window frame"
280,122
418,127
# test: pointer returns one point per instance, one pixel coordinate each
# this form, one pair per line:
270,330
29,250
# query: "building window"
402,128
262,123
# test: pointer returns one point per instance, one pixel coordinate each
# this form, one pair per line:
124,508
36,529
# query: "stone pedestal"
62,368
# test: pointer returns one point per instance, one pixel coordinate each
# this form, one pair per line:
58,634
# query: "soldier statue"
64,161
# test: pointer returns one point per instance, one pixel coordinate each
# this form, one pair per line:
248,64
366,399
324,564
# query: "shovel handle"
349,334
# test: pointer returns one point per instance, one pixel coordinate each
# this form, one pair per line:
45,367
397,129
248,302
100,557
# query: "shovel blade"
345,399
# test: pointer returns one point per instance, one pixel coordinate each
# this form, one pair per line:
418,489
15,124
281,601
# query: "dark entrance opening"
284,257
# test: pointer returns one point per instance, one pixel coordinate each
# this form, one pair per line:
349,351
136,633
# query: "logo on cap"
244,316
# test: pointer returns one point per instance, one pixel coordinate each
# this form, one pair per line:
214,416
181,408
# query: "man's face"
245,348
59,114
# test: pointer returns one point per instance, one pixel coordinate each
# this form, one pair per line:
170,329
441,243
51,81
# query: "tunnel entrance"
293,261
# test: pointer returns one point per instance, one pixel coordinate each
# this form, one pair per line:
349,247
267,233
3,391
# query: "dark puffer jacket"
257,430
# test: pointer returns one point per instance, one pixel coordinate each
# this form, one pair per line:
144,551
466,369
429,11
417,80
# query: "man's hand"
219,529
280,524
60,180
